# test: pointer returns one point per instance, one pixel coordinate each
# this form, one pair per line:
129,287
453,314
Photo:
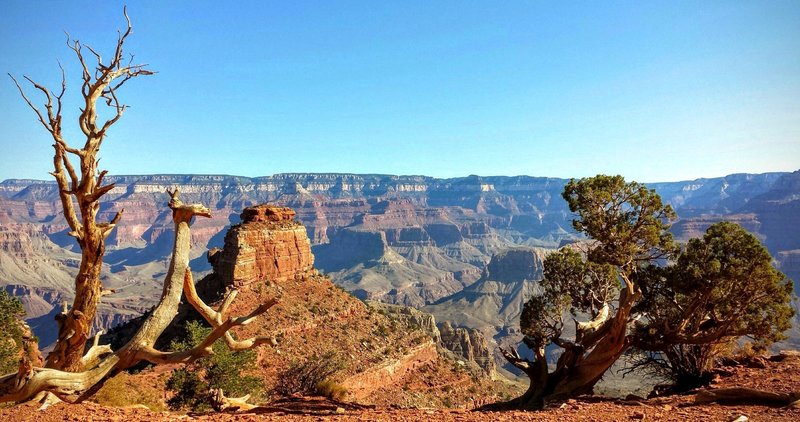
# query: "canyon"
467,250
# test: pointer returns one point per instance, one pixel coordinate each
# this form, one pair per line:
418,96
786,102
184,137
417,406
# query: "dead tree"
100,362
83,186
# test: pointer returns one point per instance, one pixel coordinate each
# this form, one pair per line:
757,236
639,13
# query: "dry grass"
126,390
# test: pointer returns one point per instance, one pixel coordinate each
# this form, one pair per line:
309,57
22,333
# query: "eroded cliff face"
268,245
494,302
515,265
404,239
16,242
468,343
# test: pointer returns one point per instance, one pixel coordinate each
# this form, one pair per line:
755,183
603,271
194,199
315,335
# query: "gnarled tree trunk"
598,344
84,187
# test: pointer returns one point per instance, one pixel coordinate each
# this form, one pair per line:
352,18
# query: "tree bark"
598,344
84,187
74,326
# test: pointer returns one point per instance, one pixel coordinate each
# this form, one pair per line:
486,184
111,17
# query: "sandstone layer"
269,245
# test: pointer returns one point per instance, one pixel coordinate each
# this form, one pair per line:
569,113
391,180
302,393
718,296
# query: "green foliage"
222,370
311,376
627,225
689,303
569,284
721,287
628,221
11,313
586,285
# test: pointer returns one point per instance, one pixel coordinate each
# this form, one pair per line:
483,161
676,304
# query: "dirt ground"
783,376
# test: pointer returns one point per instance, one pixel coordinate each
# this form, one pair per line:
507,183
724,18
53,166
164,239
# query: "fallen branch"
741,395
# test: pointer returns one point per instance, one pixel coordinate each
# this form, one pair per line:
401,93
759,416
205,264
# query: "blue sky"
655,91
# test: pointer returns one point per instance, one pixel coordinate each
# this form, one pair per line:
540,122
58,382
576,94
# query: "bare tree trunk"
85,186
74,325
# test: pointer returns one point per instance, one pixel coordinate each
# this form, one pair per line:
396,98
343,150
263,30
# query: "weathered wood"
84,186
741,395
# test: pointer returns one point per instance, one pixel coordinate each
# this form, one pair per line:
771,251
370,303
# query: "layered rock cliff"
268,245
411,240
469,344
493,304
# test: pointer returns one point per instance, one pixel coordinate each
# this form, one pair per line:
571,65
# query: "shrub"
720,288
222,370
123,390
331,390
310,377
11,313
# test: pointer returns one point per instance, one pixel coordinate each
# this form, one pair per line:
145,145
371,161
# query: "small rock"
741,418
785,354
668,407
638,415
340,410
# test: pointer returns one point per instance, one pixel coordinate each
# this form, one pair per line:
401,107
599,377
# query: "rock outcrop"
466,344
268,245
516,264
469,344
412,317
15,242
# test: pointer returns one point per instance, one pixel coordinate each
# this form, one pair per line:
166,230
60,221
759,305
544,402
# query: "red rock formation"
268,245
360,386
469,344
266,213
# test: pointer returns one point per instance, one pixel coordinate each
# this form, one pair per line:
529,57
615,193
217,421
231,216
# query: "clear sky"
655,91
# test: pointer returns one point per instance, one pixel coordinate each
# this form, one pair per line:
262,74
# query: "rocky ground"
778,375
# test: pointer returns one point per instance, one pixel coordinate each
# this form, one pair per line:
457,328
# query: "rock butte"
269,245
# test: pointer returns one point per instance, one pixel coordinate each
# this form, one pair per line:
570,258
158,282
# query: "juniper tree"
627,226
635,288
721,287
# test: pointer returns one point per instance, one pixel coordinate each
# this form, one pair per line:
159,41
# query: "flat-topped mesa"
268,245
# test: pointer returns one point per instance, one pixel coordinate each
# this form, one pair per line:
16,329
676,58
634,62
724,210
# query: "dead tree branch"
80,186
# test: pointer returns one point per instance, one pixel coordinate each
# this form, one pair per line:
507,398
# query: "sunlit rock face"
268,245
